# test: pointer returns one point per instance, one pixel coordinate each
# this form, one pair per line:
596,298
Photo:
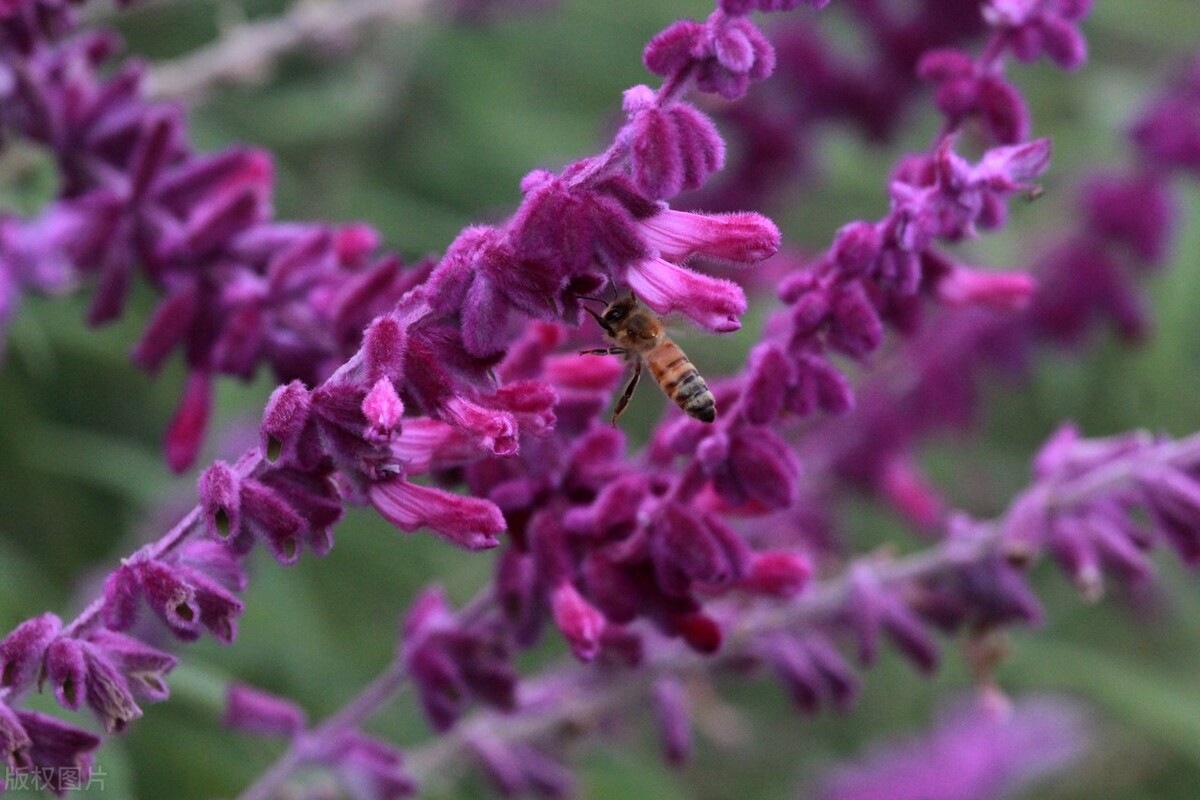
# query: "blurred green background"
421,130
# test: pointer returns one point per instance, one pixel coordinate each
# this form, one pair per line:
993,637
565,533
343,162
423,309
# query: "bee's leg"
604,351
628,393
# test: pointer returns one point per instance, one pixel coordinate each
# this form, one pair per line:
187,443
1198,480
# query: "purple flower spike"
712,303
22,651
469,522
260,713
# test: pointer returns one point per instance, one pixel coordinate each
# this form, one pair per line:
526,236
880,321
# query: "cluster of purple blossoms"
400,385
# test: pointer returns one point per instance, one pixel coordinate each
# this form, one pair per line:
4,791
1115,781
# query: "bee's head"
616,311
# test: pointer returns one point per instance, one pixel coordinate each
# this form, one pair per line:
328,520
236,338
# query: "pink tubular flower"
713,303
741,238
467,521
495,430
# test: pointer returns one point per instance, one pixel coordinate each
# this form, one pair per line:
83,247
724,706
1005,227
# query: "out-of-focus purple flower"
972,753
580,622
873,609
674,720
1033,27
371,769
811,670
254,711
965,89
1138,212
452,661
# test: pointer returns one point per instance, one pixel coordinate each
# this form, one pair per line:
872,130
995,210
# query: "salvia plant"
849,212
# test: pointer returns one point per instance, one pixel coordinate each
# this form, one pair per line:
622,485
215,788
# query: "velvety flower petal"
467,521
713,303
741,238
58,750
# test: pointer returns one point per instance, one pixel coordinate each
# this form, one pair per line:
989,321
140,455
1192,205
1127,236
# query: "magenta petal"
470,522
713,303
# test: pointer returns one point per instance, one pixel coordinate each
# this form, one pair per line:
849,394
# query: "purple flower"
812,671
872,609
467,521
254,711
966,89
724,54
183,597
57,752
81,672
672,148
452,662
972,753
22,651
579,621
1032,27
674,720
371,769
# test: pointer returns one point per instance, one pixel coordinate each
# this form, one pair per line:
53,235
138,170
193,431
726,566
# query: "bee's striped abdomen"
682,382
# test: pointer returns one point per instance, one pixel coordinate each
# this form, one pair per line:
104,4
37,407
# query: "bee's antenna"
593,299
607,328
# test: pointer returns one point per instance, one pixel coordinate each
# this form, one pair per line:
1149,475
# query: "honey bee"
639,336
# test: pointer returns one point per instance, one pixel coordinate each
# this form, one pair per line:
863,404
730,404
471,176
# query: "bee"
639,336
